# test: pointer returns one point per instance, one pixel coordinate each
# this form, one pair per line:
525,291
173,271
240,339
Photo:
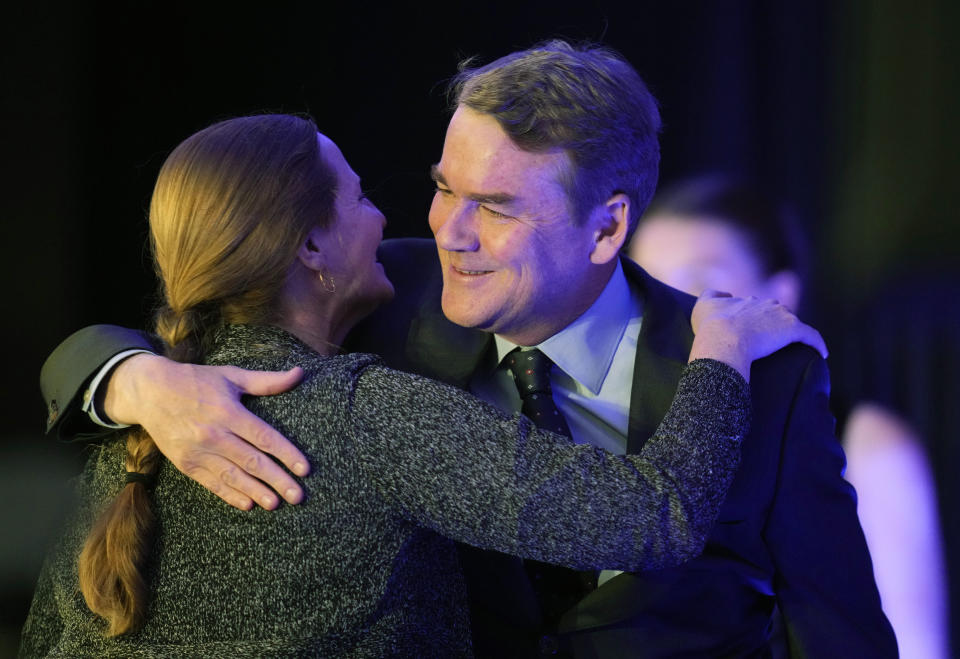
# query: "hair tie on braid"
147,480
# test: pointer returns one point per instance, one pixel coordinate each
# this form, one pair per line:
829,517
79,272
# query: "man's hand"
194,415
739,330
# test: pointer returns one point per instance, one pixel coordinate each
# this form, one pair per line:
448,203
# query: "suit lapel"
662,351
441,350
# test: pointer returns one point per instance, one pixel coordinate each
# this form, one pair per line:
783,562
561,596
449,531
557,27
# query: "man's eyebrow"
481,198
492,198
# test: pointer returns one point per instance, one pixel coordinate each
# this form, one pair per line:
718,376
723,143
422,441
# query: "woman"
266,248
718,232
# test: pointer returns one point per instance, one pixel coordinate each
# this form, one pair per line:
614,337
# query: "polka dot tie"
557,588
531,373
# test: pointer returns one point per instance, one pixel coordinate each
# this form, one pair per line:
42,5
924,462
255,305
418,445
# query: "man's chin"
464,315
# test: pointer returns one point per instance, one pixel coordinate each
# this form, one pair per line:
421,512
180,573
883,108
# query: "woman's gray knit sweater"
365,567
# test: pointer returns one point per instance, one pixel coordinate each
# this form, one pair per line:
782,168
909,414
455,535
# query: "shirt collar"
584,349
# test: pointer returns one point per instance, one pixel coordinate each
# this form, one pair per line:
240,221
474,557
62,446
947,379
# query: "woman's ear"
310,253
610,221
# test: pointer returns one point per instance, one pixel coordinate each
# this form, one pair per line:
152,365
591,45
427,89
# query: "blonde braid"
112,560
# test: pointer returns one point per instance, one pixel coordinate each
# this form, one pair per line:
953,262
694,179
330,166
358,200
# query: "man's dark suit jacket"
787,535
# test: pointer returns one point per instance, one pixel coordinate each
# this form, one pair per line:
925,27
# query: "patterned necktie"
531,373
557,588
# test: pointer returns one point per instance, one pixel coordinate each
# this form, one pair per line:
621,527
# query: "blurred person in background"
718,232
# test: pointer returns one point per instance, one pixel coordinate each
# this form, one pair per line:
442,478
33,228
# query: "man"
550,157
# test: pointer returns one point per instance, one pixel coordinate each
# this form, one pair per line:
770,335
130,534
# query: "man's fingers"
264,383
244,467
262,435
258,435
235,471
254,463
235,477
231,481
211,481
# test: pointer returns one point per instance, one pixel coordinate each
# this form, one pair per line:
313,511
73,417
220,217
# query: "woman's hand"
737,331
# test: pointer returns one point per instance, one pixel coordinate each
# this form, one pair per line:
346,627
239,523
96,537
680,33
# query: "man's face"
513,260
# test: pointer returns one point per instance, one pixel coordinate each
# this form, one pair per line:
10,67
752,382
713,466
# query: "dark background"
845,110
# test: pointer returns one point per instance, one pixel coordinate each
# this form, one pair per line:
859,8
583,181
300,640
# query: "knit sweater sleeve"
457,465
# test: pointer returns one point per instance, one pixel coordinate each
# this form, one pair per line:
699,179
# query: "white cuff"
90,394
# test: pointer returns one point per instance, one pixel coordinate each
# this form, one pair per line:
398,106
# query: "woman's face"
351,240
694,254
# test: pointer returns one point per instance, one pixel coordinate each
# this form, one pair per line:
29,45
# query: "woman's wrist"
726,349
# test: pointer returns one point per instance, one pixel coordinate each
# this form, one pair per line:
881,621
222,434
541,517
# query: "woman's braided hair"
231,206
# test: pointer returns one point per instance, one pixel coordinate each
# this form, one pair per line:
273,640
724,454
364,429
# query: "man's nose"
458,231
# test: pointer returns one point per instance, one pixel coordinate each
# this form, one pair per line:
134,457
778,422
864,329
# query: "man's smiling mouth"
464,271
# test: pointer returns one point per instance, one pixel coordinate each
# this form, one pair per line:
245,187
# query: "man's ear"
310,253
610,221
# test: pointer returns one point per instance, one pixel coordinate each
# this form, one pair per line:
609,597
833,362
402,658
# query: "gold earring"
329,285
